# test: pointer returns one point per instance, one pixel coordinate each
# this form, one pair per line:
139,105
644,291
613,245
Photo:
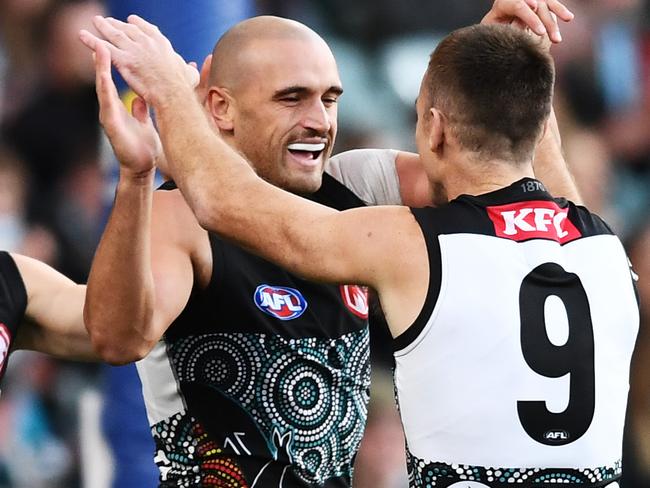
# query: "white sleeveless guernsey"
516,371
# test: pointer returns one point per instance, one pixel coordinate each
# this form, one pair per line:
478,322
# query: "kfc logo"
533,220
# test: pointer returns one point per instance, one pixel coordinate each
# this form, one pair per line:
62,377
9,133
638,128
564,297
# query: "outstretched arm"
53,318
141,276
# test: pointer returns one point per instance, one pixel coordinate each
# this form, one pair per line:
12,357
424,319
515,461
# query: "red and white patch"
533,220
5,340
356,299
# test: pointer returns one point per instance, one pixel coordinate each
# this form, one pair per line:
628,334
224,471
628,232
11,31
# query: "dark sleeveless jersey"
516,371
13,302
263,380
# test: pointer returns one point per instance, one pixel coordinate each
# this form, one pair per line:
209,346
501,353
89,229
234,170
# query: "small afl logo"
557,436
4,344
280,302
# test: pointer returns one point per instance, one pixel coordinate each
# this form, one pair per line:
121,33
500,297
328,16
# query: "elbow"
114,349
119,354
206,212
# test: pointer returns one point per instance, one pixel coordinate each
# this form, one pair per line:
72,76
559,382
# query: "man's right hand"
133,137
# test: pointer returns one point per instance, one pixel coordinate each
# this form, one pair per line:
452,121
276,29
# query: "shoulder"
15,271
176,229
588,223
169,206
370,173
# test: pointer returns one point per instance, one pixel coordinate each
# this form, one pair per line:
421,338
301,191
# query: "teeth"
300,146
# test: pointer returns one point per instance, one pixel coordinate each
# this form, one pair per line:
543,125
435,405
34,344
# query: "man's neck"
467,176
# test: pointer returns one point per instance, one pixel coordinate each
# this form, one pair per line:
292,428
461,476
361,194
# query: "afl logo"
4,344
279,302
356,299
558,436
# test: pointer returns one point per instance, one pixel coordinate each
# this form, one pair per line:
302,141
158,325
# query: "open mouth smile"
306,153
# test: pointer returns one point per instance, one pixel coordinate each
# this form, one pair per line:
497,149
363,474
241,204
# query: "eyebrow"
297,89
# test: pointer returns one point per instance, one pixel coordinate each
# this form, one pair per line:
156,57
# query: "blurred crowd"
55,187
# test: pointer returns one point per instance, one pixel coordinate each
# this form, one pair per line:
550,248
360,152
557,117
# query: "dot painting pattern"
316,389
423,474
188,458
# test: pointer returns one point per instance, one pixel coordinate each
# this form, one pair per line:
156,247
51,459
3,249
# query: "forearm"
551,167
57,328
120,296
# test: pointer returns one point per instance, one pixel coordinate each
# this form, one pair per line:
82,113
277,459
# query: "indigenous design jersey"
13,302
263,380
516,370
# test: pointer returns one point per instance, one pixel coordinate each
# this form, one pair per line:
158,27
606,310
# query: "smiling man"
253,375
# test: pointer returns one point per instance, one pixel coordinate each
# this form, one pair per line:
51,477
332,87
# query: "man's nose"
317,117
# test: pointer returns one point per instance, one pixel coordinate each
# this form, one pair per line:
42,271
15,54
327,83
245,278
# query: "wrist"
170,95
130,177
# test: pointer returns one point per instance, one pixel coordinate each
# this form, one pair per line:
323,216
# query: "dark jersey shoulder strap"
13,295
13,303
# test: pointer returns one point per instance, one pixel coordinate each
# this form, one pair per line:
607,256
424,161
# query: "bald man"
253,376
40,310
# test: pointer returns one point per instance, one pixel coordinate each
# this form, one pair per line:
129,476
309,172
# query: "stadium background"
57,177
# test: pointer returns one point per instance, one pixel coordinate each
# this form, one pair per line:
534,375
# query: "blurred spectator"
16,233
27,407
57,135
20,26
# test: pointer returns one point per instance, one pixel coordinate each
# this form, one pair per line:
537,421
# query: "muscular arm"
142,272
53,318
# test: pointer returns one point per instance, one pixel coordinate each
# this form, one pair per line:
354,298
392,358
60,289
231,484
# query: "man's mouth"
305,151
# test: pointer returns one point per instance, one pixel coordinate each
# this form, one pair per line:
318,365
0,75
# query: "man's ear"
220,105
437,130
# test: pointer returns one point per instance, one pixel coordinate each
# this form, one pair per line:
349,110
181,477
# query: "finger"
111,32
132,31
140,110
104,85
145,26
93,42
560,10
205,68
89,40
525,14
550,22
532,4
193,76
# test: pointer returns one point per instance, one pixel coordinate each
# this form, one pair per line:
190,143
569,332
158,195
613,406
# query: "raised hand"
539,15
134,138
143,56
